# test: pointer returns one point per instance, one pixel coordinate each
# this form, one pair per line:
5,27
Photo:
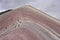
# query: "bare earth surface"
28,23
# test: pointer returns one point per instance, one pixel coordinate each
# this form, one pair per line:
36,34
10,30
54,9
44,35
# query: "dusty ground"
27,23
